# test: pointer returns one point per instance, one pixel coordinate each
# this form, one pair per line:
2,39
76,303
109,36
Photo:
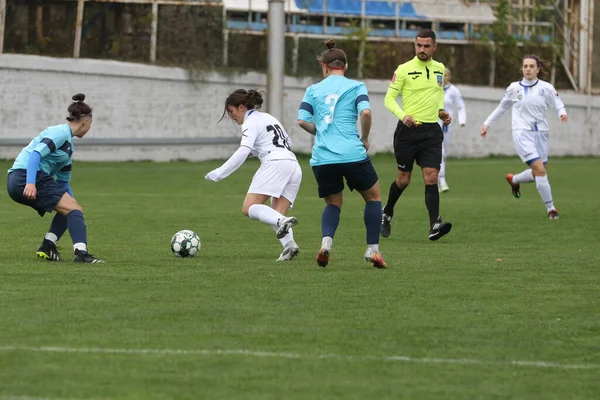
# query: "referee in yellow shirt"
418,135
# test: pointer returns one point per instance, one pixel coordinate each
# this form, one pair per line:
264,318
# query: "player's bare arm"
308,126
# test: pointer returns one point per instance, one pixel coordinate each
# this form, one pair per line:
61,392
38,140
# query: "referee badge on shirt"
439,79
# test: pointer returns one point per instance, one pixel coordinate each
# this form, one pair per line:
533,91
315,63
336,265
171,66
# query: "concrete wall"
176,118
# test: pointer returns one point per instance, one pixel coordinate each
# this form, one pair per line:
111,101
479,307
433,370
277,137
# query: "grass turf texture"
458,317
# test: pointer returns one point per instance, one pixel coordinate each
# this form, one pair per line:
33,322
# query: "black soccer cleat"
439,229
386,225
48,251
85,257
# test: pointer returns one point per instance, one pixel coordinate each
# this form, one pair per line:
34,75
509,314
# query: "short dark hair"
426,33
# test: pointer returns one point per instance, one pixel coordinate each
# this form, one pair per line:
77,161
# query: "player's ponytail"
254,99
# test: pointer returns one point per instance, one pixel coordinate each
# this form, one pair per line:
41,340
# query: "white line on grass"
252,353
11,397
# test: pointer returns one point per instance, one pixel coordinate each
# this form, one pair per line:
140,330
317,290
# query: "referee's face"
425,47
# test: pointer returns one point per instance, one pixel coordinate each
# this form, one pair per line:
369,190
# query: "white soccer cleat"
285,224
443,186
289,253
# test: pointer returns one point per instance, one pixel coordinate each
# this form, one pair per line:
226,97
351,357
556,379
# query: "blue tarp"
354,7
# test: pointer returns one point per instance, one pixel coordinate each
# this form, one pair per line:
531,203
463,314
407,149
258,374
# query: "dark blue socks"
330,219
373,221
77,227
58,225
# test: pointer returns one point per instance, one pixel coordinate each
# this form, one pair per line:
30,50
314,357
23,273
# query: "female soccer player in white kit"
530,99
452,101
279,175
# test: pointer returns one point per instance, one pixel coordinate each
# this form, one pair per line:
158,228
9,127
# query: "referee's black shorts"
422,143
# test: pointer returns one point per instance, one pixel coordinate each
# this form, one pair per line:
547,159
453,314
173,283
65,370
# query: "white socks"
51,237
523,177
287,239
326,243
80,247
264,214
269,216
543,187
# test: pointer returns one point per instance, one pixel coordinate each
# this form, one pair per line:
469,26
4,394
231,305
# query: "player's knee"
246,211
402,181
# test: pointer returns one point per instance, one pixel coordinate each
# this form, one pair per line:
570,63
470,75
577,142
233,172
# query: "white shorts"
277,178
531,145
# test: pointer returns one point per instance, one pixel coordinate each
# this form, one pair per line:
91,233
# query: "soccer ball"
185,243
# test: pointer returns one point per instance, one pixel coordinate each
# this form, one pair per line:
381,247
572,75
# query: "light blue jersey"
334,105
55,144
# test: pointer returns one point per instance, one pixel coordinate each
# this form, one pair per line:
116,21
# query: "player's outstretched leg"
78,232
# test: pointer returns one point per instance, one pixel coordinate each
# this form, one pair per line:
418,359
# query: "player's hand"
366,143
445,116
212,176
484,130
564,118
30,191
409,121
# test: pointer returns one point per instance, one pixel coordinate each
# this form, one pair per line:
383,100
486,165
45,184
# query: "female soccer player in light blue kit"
31,181
530,99
330,110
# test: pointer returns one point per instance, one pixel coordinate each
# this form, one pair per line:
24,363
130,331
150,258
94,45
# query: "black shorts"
49,192
359,175
422,143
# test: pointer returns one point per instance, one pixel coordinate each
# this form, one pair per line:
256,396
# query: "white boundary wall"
136,103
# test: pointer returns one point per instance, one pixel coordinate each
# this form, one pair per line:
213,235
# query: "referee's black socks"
393,197
432,201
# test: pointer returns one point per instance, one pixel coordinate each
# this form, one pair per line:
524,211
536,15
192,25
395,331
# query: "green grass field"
446,320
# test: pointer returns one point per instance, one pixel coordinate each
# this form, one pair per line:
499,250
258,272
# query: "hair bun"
78,98
330,44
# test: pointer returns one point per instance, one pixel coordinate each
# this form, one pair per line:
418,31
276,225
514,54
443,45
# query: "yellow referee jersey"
420,83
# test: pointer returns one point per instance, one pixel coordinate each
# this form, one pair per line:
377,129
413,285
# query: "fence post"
154,31
78,29
276,56
2,23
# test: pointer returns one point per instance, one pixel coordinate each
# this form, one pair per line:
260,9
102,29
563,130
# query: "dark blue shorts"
49,192
359,175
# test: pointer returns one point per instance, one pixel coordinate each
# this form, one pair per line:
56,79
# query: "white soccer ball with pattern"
185,243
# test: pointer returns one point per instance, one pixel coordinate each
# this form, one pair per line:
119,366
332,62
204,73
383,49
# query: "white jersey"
529,101
453,101
265,137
